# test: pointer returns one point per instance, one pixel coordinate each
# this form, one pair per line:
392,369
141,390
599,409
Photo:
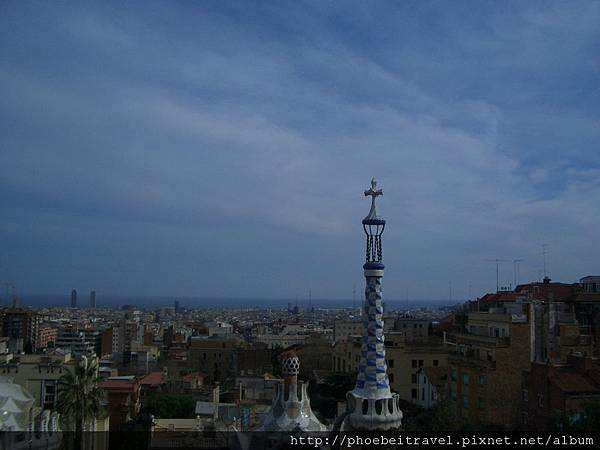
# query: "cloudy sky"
222,148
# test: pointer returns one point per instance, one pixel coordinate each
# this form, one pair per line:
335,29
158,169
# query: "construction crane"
497,261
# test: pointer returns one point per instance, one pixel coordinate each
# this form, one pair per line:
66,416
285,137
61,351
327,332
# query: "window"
390,363
49,394
414,363
421,363
453,393
436,363
453,374
465,401
465,379
481,380
413,378
480,403
525,395
540,398
413,393
391,377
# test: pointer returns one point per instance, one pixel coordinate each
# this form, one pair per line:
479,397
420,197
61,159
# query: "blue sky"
221,148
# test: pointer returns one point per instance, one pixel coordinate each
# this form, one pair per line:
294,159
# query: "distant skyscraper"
93,299
371,405
73,298
176,305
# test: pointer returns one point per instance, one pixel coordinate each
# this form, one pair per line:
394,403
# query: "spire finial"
373,192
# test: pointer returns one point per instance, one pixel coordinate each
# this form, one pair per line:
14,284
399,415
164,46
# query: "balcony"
482,340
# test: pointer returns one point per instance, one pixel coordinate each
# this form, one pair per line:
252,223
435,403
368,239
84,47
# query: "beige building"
38,374
213,356
344,329
413,329
404,359
282,340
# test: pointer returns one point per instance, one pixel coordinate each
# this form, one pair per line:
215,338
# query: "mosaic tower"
291,409
371,405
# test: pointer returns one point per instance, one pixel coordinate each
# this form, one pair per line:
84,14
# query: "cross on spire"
374,193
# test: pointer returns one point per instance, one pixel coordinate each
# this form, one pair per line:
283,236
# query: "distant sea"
110,301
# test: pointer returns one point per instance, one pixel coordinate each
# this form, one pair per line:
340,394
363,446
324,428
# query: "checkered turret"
372,379
371,405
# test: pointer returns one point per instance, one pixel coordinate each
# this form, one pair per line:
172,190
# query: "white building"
430,386
28,426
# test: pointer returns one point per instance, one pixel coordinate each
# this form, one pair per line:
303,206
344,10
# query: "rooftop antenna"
497,261
516,271
544,256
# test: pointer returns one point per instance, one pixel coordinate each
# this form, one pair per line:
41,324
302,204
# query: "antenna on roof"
544,246
497,261
516,271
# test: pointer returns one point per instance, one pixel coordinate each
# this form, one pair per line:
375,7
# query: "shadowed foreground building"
18,415
485,368
123,399
551,391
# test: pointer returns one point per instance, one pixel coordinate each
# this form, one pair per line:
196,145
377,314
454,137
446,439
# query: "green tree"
587,420
165,406
80,399
325,396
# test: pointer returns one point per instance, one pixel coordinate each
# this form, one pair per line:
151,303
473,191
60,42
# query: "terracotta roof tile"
573,382
153,379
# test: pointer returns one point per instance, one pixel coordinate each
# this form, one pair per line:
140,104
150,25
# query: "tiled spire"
371,405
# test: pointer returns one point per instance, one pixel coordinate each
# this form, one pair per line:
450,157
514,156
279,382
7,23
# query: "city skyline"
221,151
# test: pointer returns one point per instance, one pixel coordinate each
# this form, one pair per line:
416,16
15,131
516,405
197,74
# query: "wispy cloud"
172,140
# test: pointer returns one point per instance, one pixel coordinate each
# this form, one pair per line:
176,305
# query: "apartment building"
550,391
485,367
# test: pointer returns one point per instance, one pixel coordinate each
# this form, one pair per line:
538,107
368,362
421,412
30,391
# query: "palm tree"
80,399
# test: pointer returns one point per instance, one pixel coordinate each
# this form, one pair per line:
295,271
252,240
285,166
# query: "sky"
221,149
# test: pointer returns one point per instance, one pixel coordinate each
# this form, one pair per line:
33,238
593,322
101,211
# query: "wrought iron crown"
373,225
